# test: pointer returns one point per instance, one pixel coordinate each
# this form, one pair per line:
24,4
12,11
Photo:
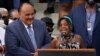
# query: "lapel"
84,16
25,37
97,20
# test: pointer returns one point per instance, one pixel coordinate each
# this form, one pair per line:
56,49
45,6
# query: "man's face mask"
91,2
50,29
4,17
14,18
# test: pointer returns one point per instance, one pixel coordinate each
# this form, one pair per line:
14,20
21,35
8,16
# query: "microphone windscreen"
63,34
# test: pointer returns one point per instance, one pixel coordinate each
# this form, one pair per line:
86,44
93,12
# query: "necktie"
32,37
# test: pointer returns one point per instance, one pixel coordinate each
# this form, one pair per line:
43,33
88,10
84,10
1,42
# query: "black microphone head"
63,35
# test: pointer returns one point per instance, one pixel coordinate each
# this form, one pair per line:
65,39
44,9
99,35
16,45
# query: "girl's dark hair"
68,19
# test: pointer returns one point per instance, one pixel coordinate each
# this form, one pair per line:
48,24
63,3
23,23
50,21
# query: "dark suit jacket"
78,15
18,42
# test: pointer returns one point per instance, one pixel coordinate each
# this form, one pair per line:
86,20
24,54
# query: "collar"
27,25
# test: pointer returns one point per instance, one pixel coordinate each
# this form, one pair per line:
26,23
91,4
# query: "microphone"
63,35
63,41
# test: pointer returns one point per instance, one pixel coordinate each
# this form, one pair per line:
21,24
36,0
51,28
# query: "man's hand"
35,54
55,43
2,48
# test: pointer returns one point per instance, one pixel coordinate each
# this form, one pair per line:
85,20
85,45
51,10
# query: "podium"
66,52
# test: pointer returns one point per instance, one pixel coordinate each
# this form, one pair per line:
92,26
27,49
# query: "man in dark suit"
24,36
86,22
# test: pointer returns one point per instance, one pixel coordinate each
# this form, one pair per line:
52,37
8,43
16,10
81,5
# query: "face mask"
14,18
50,29
91,2
4,17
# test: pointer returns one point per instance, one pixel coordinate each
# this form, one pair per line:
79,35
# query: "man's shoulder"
77,8
14,24
38,22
